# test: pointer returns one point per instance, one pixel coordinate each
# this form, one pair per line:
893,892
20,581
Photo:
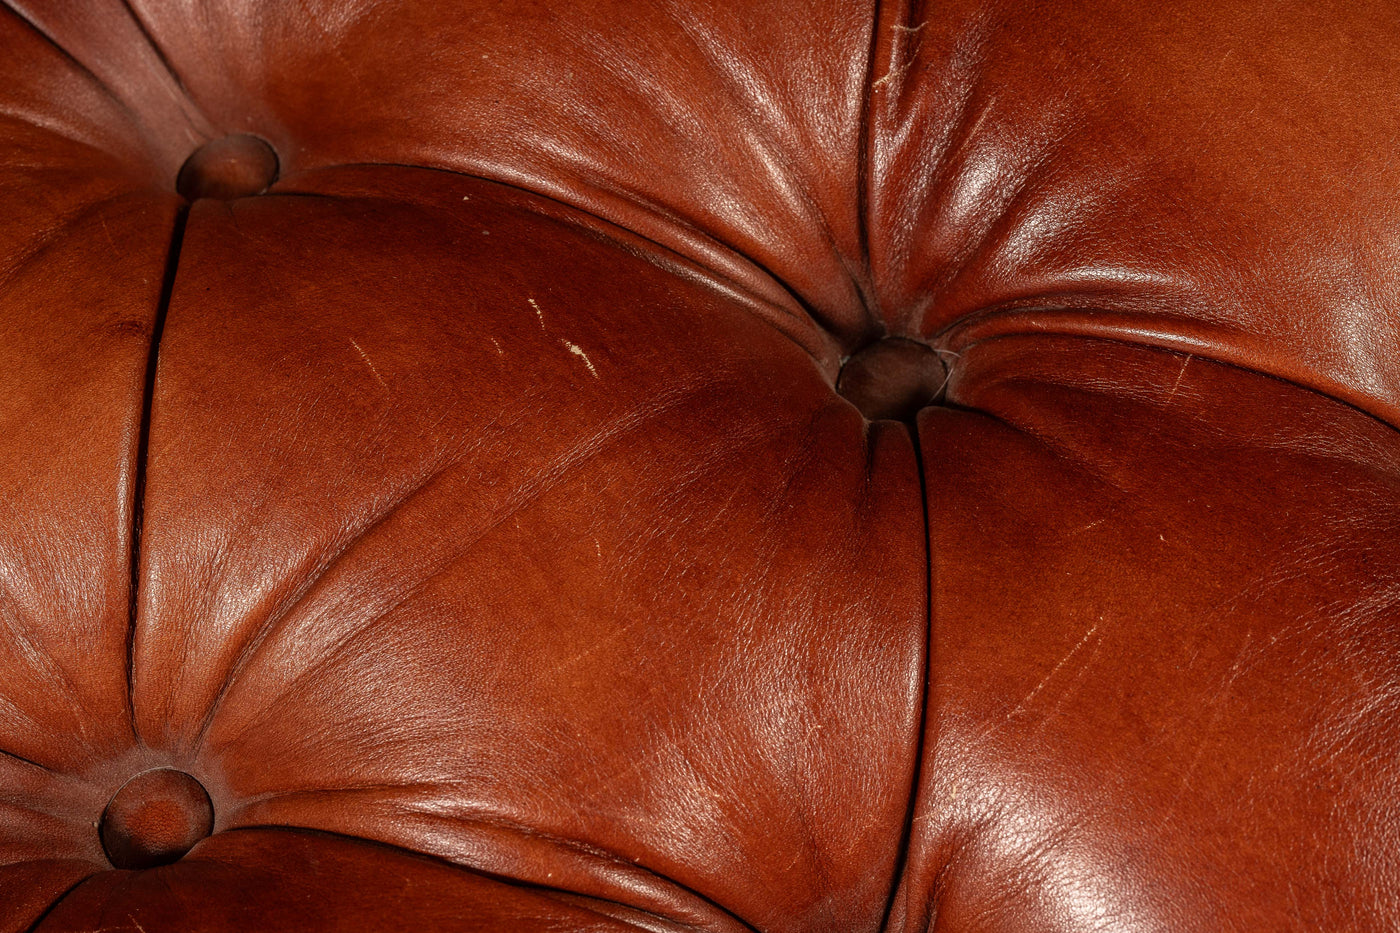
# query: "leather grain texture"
699,465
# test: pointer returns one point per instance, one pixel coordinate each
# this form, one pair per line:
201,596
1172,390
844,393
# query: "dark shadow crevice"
143,445
926,693
898,14
53,905
12,756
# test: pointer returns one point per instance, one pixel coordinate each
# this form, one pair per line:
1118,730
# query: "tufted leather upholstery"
699,465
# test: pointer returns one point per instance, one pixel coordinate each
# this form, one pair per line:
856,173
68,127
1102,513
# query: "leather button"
226,168
155,818
892,379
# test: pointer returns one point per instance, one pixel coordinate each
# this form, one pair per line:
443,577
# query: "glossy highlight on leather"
823,467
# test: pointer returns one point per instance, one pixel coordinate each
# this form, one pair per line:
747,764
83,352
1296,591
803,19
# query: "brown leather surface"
493,612
1213,177
155,819
496,517
270,879
1166,691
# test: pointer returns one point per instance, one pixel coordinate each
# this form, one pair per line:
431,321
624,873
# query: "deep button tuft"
892,378
226,168
155,818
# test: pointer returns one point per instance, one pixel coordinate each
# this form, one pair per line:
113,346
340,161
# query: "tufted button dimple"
155,818
892,378
228,167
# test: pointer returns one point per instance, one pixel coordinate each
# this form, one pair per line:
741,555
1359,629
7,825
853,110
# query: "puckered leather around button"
155,818
229,167
892,378
424,424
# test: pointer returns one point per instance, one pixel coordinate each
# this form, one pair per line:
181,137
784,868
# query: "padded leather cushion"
690,465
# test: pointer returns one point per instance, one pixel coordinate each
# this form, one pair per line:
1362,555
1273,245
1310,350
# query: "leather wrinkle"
52,236
270,625
29,761
51,666
780,159
499,822
555,473
62,895
972,107
1195,348
502,879
164,59
167,290
10,7
1060,452
1003,213
347,638
37,121
863,164
807,316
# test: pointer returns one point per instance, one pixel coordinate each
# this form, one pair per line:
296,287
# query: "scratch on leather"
1182,372
1217,705
1026,701
539,314
899,51
370,363
577,351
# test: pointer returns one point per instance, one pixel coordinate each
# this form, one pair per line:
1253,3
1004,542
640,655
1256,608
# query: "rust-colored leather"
683,465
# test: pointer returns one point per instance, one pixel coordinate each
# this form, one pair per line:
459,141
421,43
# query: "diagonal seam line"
83,68
53,905
13,756
143,450
164,59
